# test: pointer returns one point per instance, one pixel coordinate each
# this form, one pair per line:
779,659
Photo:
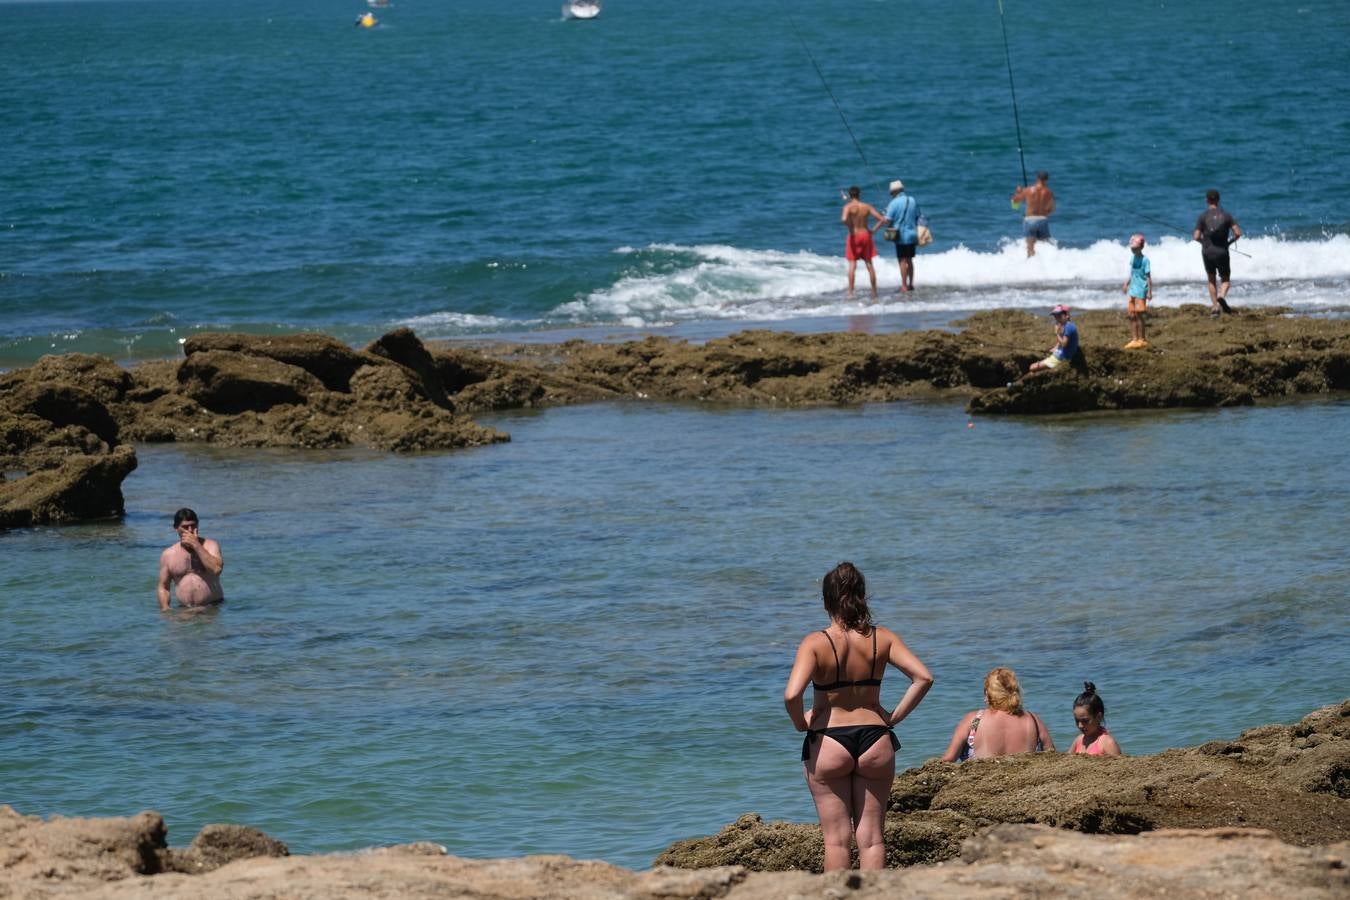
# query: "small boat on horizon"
581,9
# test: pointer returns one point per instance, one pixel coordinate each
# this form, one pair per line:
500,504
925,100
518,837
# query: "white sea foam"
711,282
457,322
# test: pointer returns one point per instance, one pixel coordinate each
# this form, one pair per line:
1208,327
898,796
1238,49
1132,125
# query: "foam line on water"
669,283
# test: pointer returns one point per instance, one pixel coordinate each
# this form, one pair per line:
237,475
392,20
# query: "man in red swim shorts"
857,217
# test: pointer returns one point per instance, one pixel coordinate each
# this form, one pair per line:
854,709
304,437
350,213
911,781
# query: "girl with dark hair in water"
1088,712
849,751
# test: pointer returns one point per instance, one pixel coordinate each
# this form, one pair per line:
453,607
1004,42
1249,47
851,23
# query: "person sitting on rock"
191,566
1066,341
1002,728
1088,712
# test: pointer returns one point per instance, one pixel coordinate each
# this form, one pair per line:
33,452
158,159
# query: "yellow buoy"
367,20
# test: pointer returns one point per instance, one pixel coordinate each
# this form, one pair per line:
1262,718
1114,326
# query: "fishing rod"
1178,230
1017,121
793,22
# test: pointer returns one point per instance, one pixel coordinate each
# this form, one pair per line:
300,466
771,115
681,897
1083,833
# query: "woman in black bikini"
849,751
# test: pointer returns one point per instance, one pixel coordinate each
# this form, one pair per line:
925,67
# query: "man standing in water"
192,566
856,218
903,215
1040,203
1211,230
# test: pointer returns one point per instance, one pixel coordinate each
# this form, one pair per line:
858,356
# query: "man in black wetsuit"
1212,231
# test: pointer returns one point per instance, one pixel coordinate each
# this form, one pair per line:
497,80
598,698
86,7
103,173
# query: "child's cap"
1136,240
1059,310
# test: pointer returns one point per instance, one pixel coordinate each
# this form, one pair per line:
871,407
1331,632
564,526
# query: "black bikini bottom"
856,739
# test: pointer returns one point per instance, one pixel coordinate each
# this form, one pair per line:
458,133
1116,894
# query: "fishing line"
793,22
1017,121
997,346
1178,230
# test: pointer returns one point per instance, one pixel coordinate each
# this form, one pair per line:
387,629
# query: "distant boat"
377,4
581,9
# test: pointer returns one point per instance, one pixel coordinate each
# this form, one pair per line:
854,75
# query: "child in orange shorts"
1139,288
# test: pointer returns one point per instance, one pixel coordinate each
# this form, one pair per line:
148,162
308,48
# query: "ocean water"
577,642
471,167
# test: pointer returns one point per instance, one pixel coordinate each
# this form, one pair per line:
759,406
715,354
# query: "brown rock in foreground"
1293,780
1292,777
126,858
60,441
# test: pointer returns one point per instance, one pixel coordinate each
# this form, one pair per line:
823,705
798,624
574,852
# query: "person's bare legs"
872,274
1031,246
852,270
872,779
829,775
1213,291
906,274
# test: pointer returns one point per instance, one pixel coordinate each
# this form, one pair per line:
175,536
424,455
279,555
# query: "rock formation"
1274,806
66,423
126,858
70,418
1292,780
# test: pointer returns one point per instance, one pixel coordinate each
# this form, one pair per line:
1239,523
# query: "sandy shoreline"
1262,815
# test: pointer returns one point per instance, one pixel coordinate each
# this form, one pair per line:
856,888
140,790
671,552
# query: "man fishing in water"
856,217
1040,203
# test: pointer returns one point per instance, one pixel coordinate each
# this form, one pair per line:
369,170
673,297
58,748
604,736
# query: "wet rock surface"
1192,360
108,859
398,394
67,423
1292,780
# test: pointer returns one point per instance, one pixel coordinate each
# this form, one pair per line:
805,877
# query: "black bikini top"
861,682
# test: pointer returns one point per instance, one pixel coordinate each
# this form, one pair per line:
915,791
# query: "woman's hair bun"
1089,688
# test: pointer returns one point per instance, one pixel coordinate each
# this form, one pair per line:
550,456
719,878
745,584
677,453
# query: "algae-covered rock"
1288,779
82,487
324,357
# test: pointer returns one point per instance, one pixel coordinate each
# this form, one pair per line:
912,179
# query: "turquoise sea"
576,642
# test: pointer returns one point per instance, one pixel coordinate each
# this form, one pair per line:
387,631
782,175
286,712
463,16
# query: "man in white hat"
902,215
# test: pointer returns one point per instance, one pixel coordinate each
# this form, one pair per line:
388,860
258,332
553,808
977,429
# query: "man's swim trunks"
860,246
1037,227
905,251
1218,263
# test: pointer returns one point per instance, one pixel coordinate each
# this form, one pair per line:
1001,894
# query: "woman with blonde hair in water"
849,751
1002,728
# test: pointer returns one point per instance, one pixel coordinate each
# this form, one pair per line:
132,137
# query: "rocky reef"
1291,780
127,858
1265,815
67,422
